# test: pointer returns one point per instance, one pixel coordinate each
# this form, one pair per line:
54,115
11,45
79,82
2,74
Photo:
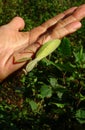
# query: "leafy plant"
52,95
80,115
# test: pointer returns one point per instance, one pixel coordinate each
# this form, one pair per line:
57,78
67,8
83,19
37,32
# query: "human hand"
15,44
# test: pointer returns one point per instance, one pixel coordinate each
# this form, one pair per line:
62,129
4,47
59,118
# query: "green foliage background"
52,96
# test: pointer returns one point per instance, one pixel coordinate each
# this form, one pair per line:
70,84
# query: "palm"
14,41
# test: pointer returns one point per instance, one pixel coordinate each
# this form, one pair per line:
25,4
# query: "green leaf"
60,105
53,82
45,91
65,48
81,97
79,55
33,105
59,94
80,115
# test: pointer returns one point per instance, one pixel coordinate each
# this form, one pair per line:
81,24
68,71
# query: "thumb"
17,23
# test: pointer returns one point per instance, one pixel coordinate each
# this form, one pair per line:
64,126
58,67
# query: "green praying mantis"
43,52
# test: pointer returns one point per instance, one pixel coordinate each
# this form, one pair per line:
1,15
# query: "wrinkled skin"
15,44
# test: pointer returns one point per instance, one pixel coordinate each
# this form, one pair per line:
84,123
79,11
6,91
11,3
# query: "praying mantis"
43,52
